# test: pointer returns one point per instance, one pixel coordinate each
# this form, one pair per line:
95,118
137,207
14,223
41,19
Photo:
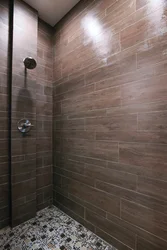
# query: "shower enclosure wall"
105,66
31,154
4,170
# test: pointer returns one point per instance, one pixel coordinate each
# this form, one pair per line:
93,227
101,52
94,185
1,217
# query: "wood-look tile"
24,209
144,199
4,168
155,173
88,206
143,29
134,136
3,148
80,134
125,236
111,176
93,196
43,180
153,187
75,207
147,155
70,84
77,124
119,10
75,176
118,88
112,240
89,113
88,160
128,77
118,64
95,100
151,90
4,213
155,52
152,121
138,231
75,93
106,124
142,243
103,150
134,34
141,3
138,108
23,188
73,166
23,177
145,218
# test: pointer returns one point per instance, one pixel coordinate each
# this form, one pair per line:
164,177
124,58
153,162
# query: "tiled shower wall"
110,116
23,106
32,99
44,115
4,172
31,164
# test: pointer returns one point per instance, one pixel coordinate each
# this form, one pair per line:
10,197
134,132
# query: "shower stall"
83,135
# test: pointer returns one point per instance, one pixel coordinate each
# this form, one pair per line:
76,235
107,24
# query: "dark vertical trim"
10,63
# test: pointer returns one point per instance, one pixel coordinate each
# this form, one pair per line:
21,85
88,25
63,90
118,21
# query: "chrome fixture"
29,63
24,125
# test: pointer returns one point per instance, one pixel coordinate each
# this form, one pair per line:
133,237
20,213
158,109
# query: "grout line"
120,209
136,240
137,183
84,213
118,152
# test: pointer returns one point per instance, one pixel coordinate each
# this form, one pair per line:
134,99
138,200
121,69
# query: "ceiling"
51,11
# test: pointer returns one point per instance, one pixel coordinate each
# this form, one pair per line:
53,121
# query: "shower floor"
51,229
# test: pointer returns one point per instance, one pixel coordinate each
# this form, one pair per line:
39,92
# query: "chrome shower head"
30,63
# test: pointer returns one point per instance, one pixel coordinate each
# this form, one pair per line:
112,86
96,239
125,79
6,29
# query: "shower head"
30,63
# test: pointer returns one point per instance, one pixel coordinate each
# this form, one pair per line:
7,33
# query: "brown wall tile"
23,105
154,203
111,176
44,113
148,155
161,244
114,242
91,195
145,218
152,121
141,3
110,119
105,124
4,170
142,243
23,188
76,208
151,90
121,234
152,187
32,98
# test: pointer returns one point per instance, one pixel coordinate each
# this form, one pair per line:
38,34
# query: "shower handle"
27,125
24,125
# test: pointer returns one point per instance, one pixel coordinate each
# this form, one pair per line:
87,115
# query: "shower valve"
24,126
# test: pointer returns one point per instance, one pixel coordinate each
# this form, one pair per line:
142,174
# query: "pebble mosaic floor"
51,229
